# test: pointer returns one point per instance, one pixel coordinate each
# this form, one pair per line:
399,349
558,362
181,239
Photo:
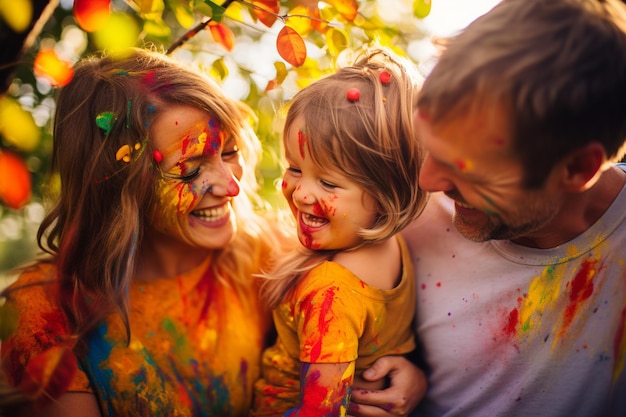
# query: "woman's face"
200,172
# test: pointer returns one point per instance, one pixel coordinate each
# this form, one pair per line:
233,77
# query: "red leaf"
91,15
49,374
15,180
266,11
222,35
290,46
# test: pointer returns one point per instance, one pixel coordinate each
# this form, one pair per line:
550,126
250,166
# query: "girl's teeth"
313,221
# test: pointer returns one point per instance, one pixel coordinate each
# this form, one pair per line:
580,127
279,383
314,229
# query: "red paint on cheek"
318,210
301,142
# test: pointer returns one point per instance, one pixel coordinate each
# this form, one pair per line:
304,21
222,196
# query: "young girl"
147,300
341,300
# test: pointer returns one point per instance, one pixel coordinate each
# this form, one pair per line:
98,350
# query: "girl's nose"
302,194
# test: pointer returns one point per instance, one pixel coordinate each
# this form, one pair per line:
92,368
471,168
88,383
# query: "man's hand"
407,387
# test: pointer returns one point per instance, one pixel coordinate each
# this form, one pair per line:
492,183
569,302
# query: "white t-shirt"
512,331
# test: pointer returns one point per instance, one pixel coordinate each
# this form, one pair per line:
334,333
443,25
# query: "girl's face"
200,169
328,206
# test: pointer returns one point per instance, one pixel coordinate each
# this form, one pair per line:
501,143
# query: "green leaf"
217,11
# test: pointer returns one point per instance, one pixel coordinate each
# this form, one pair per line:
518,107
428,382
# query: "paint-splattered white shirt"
512,331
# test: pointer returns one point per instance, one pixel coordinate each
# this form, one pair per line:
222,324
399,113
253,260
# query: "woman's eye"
230,154
190,176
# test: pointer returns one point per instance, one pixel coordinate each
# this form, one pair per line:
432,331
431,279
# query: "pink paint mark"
205,289
283,184
461,165
301,142
233,188
581,288
423,286
439,284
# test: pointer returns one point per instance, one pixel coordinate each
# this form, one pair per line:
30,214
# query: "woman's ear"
583,167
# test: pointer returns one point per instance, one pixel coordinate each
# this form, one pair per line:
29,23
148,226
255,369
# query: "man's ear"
583,166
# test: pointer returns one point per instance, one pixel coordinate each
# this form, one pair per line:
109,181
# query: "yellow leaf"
290,46
337,40
183,11
347,8
17,125
118,34
300,20
17,13
157,28
219,70
281,71
421,8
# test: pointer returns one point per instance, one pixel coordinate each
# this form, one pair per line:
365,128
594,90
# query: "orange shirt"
194,350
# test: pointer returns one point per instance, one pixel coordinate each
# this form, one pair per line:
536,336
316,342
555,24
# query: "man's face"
471,159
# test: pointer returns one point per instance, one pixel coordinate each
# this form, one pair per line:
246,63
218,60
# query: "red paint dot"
385,77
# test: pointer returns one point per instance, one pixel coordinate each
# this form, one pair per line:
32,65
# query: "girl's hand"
407,387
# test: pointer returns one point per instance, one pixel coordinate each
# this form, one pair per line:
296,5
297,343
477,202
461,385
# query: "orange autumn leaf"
15,181
290,46
50,66
49,374
347,8
91,15
266,11
222,34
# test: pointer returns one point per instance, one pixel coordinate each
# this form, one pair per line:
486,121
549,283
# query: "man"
521,258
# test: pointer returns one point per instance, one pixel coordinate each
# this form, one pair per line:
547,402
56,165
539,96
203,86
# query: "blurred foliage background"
242,44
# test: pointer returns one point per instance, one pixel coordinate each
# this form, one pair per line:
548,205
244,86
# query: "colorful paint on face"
301,141
471,162
316,194
199,173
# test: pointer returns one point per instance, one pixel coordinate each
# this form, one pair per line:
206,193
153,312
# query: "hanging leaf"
219,70
337,41
421,8
300,20
183,12
290,46
49,374
15,181
48,65
91,15
17,125
157,28
319,22
150,9
266,11
17,14
281,71
222,34
347,8
217,11
118,34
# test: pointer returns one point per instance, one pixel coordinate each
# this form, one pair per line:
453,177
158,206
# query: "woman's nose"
223,183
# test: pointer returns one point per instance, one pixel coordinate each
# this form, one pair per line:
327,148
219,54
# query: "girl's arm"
407,387
324,389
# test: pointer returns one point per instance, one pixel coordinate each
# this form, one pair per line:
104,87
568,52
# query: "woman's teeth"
211,214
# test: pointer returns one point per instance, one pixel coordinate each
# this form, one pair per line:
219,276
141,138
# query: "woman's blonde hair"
370,140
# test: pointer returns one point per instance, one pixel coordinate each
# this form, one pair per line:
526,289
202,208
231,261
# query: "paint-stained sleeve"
330,317
41,334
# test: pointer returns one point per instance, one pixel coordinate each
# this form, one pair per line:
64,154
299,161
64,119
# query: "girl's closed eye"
294,170
328,185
